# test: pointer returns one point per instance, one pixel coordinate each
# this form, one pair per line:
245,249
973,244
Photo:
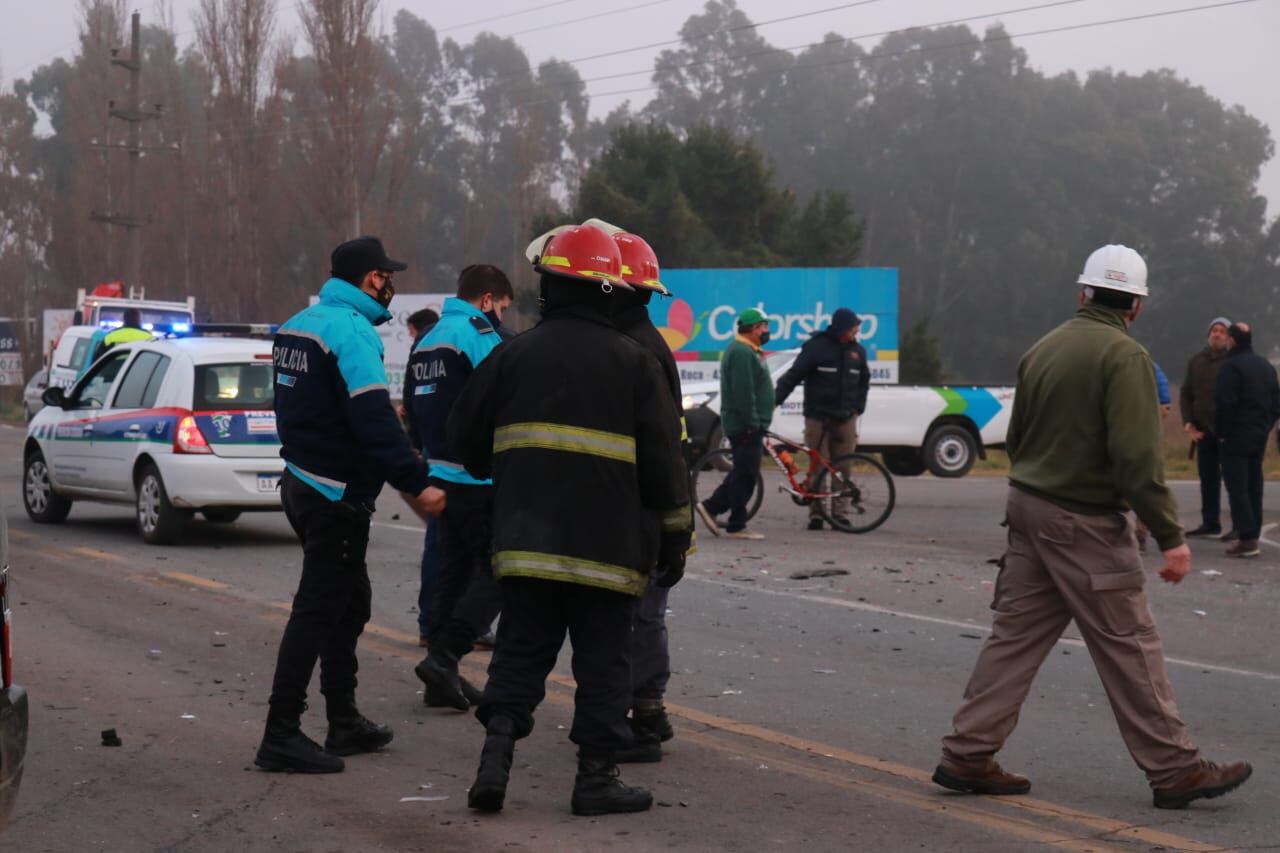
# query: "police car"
173,426
940,429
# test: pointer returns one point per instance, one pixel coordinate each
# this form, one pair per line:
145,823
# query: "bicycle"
867,487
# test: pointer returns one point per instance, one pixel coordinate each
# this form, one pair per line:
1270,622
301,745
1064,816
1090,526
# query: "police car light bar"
231,330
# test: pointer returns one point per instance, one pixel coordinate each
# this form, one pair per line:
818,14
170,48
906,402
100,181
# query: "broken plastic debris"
110,738
423,799
219,639
825,671
817,573
1199,613
730,692
1212,573
188,716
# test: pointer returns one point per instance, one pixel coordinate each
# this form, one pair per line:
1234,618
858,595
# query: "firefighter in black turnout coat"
575,425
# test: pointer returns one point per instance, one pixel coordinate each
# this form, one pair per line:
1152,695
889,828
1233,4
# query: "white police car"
174,426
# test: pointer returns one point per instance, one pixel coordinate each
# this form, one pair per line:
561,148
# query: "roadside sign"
10,354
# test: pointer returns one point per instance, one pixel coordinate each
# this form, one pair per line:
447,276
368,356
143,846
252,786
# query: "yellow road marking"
815,749
196,580
20,535
96,554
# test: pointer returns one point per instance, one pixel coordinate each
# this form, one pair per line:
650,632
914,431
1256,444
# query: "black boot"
597,790
490,788
350,733
650,716
285,747
645,749
439,672
472,693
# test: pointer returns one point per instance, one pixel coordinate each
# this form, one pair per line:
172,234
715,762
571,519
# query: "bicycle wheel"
861,497
712,470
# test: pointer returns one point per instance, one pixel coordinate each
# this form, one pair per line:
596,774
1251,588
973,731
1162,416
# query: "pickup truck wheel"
159,521
904,462
950,451
42,503
223,515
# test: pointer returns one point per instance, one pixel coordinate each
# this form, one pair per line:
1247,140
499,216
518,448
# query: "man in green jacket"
1084,439
746,410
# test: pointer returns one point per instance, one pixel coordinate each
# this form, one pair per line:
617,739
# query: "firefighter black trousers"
536,614
467,596
331,606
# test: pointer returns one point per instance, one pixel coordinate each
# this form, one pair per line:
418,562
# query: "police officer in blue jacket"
341,441
467,596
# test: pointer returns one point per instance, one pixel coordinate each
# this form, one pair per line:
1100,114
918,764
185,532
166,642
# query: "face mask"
493,318
386,294
764,337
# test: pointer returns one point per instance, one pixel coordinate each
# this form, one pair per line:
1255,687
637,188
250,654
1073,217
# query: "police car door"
70,446
129,423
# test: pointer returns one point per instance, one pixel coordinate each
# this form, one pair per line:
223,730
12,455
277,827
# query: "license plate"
268,482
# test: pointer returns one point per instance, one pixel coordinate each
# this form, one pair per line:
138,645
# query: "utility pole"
131,220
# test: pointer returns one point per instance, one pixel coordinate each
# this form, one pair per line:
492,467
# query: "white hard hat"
1116,267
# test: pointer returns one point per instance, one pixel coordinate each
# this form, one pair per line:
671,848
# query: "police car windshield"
245,385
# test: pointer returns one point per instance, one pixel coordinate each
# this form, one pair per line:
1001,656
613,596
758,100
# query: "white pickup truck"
941,429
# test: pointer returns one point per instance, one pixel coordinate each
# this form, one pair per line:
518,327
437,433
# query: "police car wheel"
42,503
950,451
159,521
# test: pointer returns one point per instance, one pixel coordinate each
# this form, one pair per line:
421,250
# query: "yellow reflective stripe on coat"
678,519
684,429
557,567
545,436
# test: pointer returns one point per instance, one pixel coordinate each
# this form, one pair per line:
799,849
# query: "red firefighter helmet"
639,263
582,252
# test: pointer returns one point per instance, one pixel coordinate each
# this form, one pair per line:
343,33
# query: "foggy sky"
1230,52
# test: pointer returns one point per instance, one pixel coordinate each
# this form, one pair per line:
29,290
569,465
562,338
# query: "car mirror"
55,396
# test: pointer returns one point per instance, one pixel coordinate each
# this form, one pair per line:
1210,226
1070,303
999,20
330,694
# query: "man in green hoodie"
1084,439
746,410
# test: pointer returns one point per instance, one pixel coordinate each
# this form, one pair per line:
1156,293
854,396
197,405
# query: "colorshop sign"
700,320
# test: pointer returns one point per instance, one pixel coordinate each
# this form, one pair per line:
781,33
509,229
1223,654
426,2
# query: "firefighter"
576,426
467,598
341,440
130,329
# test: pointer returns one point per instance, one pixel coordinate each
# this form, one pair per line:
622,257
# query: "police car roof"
212,350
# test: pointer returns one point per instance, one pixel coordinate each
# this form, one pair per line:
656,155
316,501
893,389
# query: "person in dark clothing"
467,597
341,442
650,654
419,323
1247,400
1196,404
575,424
833,367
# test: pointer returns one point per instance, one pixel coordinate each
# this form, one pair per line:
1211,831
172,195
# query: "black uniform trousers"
536,614
735,492
1243,474
1209,466
467,596
331,606
650,658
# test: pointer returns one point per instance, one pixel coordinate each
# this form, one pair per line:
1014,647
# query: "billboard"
699,321
10,353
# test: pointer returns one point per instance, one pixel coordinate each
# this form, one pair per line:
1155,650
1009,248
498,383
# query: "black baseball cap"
354,258
843,320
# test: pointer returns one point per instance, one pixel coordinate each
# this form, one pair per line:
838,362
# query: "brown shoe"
989,779
1205,780
1244,548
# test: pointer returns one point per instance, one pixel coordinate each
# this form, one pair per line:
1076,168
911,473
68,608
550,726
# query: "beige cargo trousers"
1060,566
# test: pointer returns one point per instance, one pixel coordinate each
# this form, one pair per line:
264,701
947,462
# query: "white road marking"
866,607
399,526
1267,528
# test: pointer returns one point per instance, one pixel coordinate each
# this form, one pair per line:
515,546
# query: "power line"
515,14
608,14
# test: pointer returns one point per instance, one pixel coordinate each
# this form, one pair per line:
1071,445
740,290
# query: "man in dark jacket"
341,441
833,367
419,323
574,423
1196,403
1247,399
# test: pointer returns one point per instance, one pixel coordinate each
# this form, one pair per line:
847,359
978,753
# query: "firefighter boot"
645,749
285,747
439,672
649,715
490,788
350,733
597,790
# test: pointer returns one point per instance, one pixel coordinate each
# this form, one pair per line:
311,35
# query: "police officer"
833,367
467,597
1084,439
340,441
130,329
576,426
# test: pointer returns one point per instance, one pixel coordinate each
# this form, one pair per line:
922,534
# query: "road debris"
110,738
1199,613
1210,573
817,573
424,799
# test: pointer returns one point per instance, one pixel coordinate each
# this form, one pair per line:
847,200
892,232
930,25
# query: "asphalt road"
808,711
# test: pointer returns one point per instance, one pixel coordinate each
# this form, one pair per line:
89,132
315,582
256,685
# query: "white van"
70,355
